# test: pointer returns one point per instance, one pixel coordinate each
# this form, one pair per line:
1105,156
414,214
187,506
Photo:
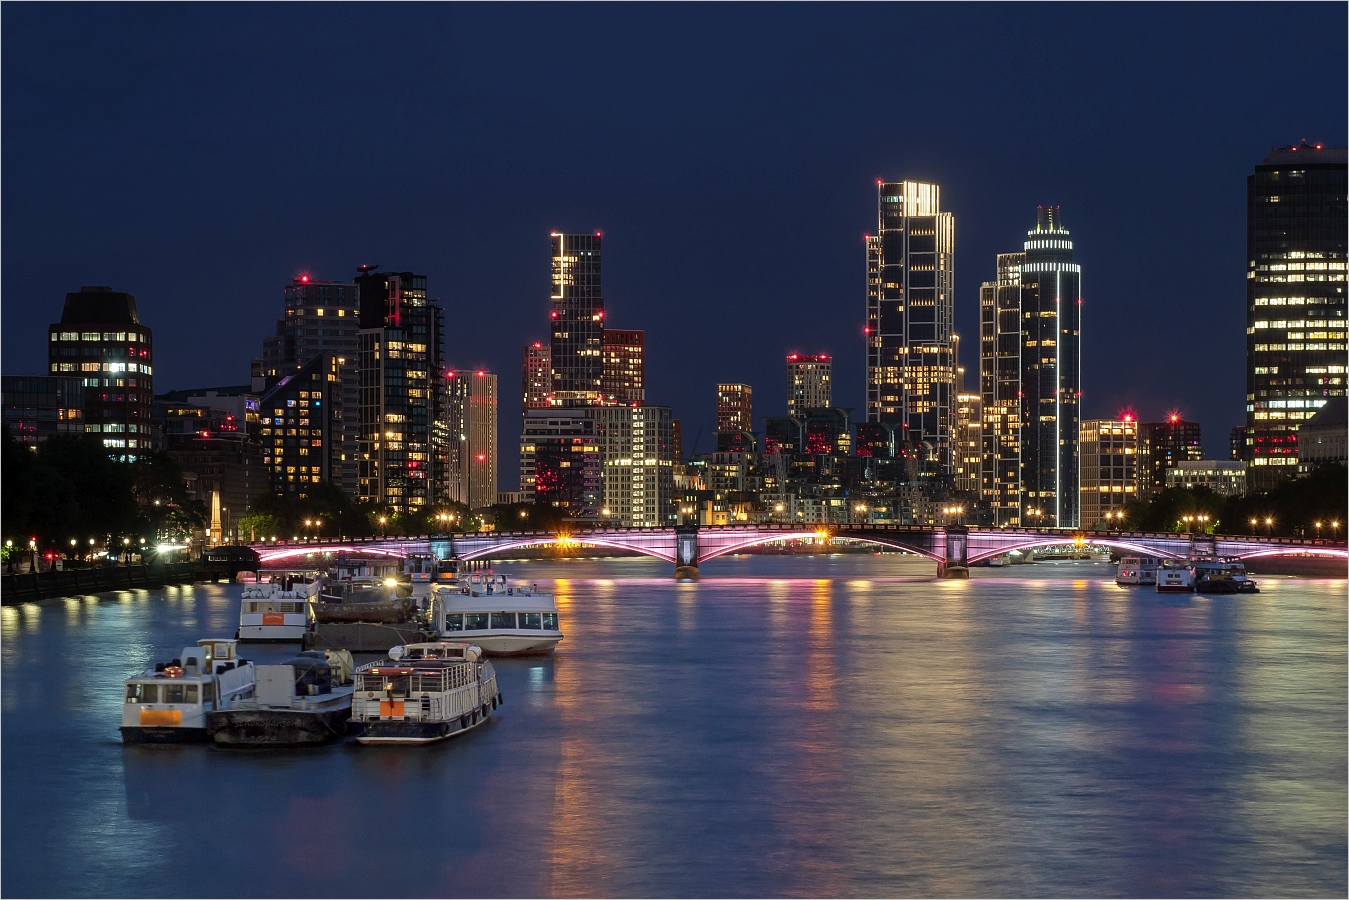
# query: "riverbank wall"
28,586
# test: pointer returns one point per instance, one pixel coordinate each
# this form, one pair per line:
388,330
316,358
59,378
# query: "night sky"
201,156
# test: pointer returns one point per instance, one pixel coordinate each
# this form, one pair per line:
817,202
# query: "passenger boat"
303,701
1137,570
501,618
1173,577
281,609
1218,576
168,703
423,693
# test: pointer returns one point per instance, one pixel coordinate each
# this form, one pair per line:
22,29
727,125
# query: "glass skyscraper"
577,321
1295,301
910,313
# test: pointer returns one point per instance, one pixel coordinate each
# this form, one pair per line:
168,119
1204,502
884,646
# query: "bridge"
953,548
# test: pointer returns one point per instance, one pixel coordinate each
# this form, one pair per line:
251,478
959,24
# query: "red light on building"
554,314
1173,418
538,346
482,457
599,234
866,330
481,373
304,278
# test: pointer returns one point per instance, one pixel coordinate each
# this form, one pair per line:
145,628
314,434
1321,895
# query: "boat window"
503,620
173,693
189,693
142,693
208,692
550,621
454,622
475,621
531,620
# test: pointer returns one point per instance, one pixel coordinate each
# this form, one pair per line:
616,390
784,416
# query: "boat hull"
257,634
393,731
277,727
165,734
1175,589
509,643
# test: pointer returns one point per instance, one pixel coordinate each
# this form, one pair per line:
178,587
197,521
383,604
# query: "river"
835,726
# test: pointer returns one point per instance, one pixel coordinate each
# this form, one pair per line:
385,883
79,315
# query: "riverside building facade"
623,380
101,341
577,350
910,317
809,383
1109,469
1295,300
469,413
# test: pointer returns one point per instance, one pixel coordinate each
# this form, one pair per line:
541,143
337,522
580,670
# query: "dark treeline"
1292,509
67,488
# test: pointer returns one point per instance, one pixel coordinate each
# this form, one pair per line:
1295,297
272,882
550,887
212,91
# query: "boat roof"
454,601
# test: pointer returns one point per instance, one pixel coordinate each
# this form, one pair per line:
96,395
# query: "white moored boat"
279,610
423,693
501,618
1222,576
1137,570
168,703
1173,577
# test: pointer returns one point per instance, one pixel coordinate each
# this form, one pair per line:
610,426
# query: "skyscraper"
1295,300
469,412
967,445
101,340
1051,374
301,427
910,313
560,461
1109,468
536,375
1162,446
578,320
623,382
399,364
735,407
809,383
1000,389
638,457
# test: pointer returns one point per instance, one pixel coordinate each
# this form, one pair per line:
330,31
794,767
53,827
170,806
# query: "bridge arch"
636,547
1140,549
277,554
1324,552
893,544
755,541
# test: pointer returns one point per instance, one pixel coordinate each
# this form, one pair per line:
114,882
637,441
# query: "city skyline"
488,267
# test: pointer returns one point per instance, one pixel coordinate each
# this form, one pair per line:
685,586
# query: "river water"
833,726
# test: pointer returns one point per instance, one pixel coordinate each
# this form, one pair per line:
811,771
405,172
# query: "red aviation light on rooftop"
538,345
482,456
1126,415
1173,417
599,234
554,314
449,373
481,373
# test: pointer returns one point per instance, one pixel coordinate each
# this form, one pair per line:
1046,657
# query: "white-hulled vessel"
423,693
168,702
1222,576
1173,577
281,609
1137,570
501,618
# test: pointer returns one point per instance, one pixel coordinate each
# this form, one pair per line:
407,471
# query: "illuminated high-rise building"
1000,389
536,375
398,456
1109,469
910,316
578,321
1051,374
735,407
809,383
1295,300
967,444
637,459
1162,446
560,462
100,339
623,382
469,411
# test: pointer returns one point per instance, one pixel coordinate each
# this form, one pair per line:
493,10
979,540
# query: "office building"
809,383
577,320
623,382
1236,443
37,407
967,445
239,403
677,441
301,426
1165,445
637,456
1109,469
909,321
1221,476
398,358
560,461
100,339
1000,389
469,411
1296,229
735,407
536,375
1321,439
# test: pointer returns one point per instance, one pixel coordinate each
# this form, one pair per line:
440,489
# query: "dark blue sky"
200,156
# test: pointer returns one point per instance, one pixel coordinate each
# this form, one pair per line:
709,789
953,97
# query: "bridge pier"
686,552
955,561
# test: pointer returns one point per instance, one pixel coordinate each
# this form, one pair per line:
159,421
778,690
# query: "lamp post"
382,522
1269,526
1254,522
1334,528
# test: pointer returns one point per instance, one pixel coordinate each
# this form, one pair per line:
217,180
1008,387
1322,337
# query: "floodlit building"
638,465
560,461
577,321
623,382
910,317
469,412
1000,389
1297,224
1109,468
1162,446
1322,438
735,407
1218,475
809,383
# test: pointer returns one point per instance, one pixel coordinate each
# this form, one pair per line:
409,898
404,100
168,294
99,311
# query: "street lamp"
1334,528
1254,522
382,522
1269,524
1316,524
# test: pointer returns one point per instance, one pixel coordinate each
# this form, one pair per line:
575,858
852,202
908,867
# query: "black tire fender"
444,729
463,721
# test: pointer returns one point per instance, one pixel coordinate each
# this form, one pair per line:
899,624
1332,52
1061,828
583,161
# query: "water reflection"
834,726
